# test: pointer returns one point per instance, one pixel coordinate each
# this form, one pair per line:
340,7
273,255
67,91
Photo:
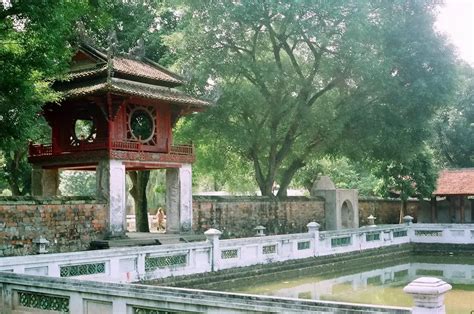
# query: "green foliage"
33,48
78,183
217,167
344,173
149,20
415,177
454,125
296,80
156,190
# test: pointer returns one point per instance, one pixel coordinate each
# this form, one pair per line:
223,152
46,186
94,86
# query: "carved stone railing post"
212,236
313,228
428,294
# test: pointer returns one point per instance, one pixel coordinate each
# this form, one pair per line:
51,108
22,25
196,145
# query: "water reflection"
382,285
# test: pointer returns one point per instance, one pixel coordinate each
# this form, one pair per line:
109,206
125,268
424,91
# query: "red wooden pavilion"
116,115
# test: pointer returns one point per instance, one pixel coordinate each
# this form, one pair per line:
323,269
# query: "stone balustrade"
442,233
152,262
123,265
26,294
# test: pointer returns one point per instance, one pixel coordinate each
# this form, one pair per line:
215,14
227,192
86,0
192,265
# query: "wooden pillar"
452,212
434,210
461,207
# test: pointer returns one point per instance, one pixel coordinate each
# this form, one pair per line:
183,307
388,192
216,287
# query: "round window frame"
90,138
153,124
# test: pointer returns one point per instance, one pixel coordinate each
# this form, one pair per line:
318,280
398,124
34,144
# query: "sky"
456,20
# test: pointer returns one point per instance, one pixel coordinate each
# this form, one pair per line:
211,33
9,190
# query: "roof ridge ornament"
138,51
82,36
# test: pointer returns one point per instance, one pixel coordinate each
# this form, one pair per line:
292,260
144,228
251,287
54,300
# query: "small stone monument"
371,220
41,244
408,219
260,231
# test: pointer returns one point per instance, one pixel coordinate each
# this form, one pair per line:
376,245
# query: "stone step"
143,239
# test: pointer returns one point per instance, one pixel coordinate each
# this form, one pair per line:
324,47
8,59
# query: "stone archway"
341,206
347,215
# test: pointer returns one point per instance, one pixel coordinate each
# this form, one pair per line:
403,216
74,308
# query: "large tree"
33,48
38,39
299,79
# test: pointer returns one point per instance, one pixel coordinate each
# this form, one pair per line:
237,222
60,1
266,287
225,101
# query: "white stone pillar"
428,294
179,199
313,228
212,236
111,186
186,198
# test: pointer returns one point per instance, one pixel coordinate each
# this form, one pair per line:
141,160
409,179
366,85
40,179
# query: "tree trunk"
265,184
138,192
288,175
403,209
18,172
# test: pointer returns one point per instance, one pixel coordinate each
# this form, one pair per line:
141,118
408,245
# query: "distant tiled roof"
137,89
455,182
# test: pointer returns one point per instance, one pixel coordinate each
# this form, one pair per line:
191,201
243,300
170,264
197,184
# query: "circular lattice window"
84,130
142,125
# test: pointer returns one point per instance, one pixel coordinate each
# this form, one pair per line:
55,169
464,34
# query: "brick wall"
387,211
69,225
237,216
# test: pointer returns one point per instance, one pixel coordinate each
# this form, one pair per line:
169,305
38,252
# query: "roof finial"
139,50
81,30
112,45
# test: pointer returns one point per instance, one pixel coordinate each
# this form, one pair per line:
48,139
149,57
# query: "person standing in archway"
160,217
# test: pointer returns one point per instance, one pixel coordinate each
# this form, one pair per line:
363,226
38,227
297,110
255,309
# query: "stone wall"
237,216
387,211
68,224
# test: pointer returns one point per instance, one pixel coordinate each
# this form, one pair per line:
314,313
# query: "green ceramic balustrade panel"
43,301
303,245
372,236
152,263
226,254
269,249
82,269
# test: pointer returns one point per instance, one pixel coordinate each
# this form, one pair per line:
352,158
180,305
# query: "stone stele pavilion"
116,115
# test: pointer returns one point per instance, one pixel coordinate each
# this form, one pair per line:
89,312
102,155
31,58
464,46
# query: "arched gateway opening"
347,215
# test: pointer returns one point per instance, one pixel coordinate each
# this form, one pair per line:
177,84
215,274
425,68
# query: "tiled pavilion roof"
455,182
126,87
97,72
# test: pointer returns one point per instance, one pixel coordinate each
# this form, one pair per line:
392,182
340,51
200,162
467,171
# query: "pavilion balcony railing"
41,150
